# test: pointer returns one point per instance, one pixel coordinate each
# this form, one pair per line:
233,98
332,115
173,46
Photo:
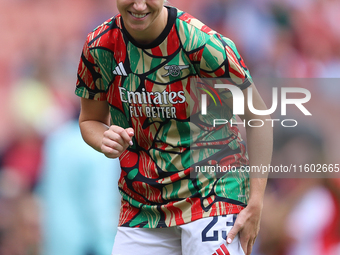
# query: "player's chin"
139,27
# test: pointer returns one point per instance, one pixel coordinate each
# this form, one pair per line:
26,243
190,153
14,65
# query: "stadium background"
41,42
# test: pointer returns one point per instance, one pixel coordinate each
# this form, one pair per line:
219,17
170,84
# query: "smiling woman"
135,80
144,20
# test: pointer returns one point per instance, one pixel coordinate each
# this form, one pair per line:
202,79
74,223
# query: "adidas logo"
222,250
120,70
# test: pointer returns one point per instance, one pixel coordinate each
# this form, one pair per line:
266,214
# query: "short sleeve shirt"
150,88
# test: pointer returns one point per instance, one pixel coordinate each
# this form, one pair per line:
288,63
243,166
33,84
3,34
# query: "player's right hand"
116,140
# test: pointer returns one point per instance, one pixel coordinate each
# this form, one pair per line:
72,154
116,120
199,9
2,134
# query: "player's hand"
247,224
116,140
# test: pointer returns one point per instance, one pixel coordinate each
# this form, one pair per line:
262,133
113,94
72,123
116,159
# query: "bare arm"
259,144
94,122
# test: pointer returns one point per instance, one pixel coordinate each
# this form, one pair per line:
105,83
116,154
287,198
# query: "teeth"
139,16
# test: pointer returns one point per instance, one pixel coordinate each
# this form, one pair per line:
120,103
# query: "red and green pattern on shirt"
150,89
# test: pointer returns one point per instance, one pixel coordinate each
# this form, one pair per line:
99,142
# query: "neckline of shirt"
172,15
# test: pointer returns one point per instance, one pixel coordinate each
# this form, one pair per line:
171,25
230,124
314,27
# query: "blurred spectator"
299,212
79,192
19,222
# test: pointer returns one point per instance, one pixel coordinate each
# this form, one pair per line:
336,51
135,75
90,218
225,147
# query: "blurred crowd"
44,202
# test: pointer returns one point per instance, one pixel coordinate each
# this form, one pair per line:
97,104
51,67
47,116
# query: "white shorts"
205,236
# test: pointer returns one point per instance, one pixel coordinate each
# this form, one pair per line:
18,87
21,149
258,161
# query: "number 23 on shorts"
215,234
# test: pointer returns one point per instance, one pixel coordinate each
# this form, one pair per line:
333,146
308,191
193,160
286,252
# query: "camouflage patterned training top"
149,88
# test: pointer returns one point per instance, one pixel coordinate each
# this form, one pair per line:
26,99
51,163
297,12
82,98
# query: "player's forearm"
92,132
260,146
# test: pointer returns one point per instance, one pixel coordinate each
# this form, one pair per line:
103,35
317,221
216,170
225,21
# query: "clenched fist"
116,140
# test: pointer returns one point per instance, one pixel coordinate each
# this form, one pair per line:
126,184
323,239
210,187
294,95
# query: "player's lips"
139,15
